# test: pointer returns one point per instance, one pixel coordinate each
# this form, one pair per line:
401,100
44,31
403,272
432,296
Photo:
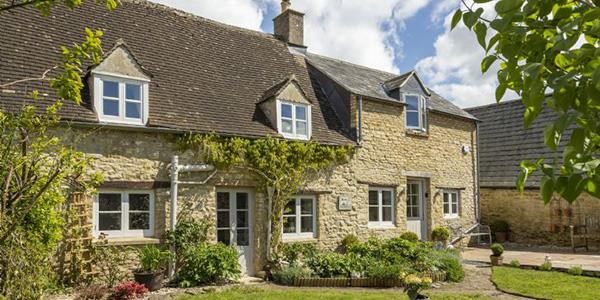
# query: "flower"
412,279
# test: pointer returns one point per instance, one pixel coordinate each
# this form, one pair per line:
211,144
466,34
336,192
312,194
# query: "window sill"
299,239
128,241
417,132
382,226
451,217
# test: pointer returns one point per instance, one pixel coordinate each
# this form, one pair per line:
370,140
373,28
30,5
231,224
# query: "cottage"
166,73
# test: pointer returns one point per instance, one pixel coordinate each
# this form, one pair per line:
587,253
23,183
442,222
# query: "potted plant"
496,257
152,262
413,284
500,229
440,234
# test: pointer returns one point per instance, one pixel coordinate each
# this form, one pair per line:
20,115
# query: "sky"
390,35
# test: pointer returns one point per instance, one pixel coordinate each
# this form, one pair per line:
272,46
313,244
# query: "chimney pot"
285,5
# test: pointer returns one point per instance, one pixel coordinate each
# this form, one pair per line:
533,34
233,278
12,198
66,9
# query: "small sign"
344,203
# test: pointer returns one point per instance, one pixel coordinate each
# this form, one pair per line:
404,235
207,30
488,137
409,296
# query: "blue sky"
390,35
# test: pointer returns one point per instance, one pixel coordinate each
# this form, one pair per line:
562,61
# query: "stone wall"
533,222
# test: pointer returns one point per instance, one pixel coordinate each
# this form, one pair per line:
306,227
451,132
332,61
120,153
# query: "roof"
206,76
371,83
504,142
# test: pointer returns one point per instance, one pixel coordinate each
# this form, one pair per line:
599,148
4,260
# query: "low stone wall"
533,222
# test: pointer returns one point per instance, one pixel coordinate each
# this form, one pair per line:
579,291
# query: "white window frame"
98,91
380,223
451,214
298,234
421,110
124,231
294,135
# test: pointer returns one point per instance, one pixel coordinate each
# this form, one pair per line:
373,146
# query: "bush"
410,236
382,270
515,263
451,264
189,232
109,262
499,226
497,249
92,292
576,270
287,275
208,263
128,290
440,234
329,265
152,259
546,266
293,252
349,240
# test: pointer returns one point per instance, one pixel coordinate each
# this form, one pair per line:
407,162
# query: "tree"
548,46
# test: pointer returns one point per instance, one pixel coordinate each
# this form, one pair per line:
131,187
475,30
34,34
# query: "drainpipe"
270,191
477,191
360,108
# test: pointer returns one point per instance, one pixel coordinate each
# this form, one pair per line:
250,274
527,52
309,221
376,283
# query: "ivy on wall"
284,165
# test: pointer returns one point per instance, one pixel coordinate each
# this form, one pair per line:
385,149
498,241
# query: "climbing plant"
286,166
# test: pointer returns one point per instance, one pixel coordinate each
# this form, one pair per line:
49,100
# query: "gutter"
359,112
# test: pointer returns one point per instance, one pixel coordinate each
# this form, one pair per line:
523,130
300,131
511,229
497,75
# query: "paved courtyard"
589,261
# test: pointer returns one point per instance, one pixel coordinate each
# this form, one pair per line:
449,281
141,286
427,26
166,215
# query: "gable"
293,93
412,85
120,61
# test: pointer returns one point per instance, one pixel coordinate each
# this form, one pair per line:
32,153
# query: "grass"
549,285
276,293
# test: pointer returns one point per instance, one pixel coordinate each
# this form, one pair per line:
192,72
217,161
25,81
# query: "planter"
501,237
568,212
496,260
152,281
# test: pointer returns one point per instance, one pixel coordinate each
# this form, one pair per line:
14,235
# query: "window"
413,200
294,120
299,218
121,100
381,207
124,214
451,204
416,109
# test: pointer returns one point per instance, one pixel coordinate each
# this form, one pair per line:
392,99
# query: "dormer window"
120,100
416,112
294,120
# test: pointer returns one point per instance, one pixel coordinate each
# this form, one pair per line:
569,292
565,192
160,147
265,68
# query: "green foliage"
108,262
549,45
546,266
189,232
294,252
497,249
348,241
208,263
499,226
381,270
152,259
515,263
284,165
328,265
440,234
45,6
410,236
451,263
287,275
576,270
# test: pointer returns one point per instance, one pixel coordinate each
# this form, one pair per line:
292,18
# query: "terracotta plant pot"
496,260
501,237
152,281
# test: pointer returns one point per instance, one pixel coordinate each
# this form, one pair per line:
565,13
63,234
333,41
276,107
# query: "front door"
415,208
234,225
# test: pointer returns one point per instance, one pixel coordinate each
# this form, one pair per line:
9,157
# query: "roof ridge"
505,102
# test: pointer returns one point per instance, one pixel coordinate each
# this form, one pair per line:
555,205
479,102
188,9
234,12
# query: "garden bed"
360,282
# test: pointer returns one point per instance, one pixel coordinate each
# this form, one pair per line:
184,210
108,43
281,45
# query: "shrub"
546,266
410,236
128,290
373,247
576,270
208,263
451,264
349,240
152,259
515,263
440,234
108,262
189,232
381,270
293,252
92,292
287,275
400,247
328,265
499,226
497,249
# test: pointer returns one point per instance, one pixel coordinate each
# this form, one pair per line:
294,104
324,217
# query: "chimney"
289,25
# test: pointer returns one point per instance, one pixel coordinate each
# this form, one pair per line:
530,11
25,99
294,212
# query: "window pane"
289,225
222,200
139,202
223,219
306,206
286,111
454,208
446,208
290,207
133,110
300,113
286,126
373,198
242,219
243,237
224,236
133,91
139,220
387,214
446,196
110,107
386,197
109,221
241,200
412,103
306,224
373,214
109,202
111,89
301,128
412,119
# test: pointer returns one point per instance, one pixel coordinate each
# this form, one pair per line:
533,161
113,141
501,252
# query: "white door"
415,208
234,225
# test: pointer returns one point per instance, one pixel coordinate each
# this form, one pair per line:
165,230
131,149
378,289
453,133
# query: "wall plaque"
344,203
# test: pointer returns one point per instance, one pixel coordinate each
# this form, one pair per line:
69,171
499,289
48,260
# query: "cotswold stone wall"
533,222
